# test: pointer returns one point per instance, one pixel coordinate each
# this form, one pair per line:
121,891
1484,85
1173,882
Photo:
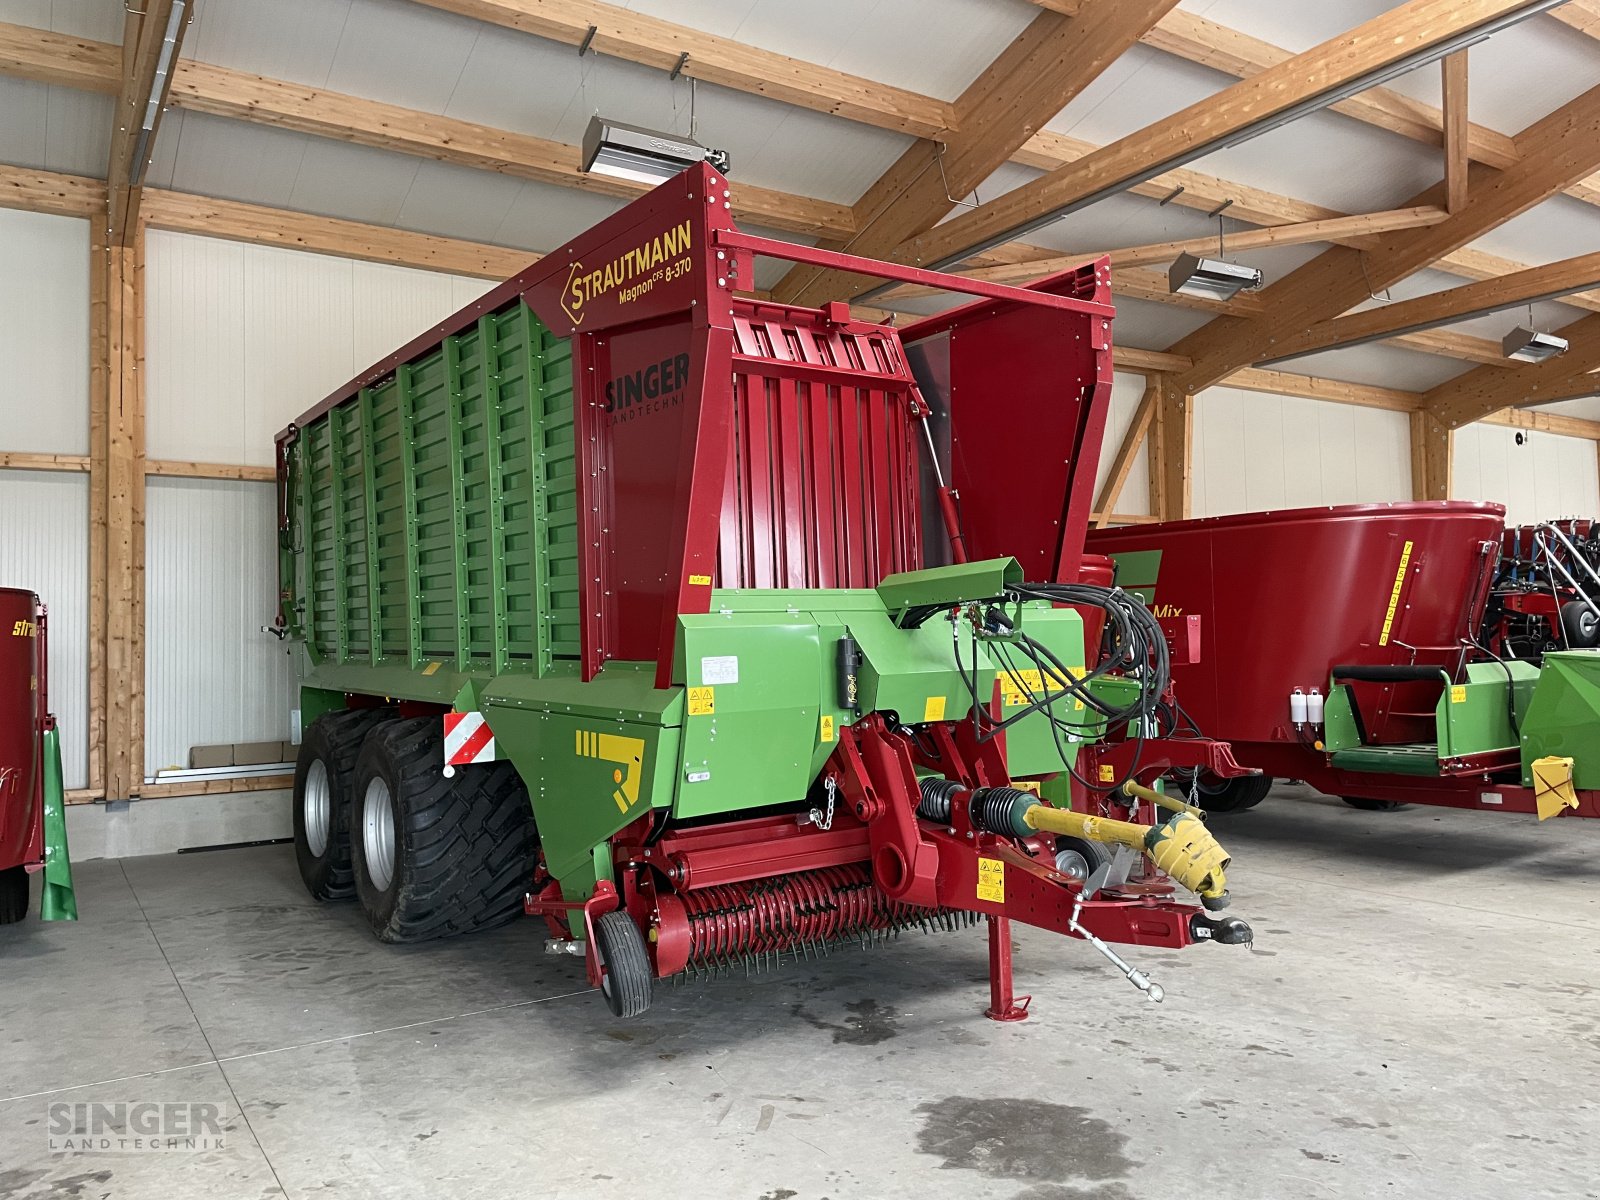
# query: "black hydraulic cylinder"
849,673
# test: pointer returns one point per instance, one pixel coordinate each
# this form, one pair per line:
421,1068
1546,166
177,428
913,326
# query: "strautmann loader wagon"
648,609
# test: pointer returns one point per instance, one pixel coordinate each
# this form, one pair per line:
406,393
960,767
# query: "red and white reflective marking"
467,740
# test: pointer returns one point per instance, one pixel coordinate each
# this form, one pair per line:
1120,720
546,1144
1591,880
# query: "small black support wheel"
625,976
1228,795
1079,858
13,895
1372,805
322,777
436,856
1580,624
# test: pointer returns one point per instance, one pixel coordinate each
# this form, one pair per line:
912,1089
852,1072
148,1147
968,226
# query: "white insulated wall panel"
1126,391
44,546
44,333
1254,451
242,339
211,581
1546,477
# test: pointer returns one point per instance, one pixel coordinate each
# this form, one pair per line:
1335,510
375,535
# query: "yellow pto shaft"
1182,847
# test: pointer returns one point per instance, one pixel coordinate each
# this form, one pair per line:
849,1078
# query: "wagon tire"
626,980
13,895
1366,805
436,856
322,777
1229,795
1580,625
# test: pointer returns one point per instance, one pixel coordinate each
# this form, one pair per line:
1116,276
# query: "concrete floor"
1420,1017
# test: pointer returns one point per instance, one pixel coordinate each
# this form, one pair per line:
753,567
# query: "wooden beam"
1448,306
1067,8
1432,452
219,92
1101,520
50,192
1559,424
1582,15
1485,390
653,42
41,56
1131,358
1122,464
262,226
1380,43
1452,345
1038,75
216,787
151,41
17,460
1557,149
1311,387
1453,72
173,468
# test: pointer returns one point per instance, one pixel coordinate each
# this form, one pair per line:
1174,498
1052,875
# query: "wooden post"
121,524
1171,451
99,408
1432,452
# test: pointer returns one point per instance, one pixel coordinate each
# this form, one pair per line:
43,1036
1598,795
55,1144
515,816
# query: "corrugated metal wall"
44,545
242,339
1545,477
211,575
44,408
44,333
1254,451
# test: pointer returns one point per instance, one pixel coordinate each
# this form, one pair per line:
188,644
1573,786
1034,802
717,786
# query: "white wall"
1544,478
242,339
211,577
1254,451
239,341
1134,500
44,408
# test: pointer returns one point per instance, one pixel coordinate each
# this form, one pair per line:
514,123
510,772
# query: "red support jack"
1001,1005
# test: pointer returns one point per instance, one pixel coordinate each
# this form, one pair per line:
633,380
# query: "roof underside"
414,55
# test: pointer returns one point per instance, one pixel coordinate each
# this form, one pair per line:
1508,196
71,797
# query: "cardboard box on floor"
254,754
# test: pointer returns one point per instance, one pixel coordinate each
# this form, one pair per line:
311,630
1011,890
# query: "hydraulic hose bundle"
1132,646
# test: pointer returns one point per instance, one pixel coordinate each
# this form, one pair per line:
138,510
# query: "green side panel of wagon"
448,490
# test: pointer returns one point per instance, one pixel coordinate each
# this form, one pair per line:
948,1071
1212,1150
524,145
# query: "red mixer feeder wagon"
1347,647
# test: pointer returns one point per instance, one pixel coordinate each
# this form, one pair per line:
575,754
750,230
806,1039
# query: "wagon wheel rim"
316,806
377,834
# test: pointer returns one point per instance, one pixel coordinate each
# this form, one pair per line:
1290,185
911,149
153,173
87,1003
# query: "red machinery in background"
1545,589
1381,601
24,714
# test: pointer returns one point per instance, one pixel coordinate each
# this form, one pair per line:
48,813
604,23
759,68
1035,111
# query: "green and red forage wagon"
712,629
